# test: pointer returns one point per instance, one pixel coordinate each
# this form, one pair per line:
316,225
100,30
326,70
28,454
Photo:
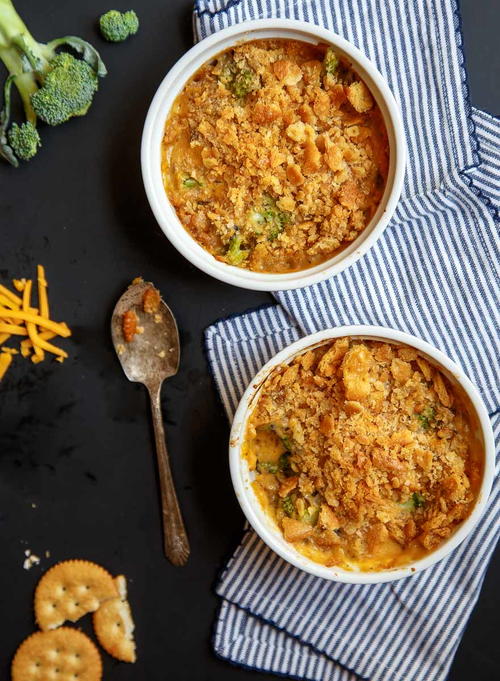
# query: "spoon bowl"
154,354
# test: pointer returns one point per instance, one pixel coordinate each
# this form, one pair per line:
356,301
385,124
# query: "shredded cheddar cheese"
11,296
5,360
60,329
30,326
19,318
42,292
9,329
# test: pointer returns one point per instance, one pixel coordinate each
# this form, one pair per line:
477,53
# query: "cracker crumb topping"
275,155
364,454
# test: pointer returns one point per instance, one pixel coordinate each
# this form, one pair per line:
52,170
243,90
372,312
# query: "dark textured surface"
77,470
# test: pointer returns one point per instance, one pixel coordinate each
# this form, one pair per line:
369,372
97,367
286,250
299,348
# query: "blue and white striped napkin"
434,273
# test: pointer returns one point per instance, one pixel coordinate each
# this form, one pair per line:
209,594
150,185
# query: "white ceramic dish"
152,136
264,525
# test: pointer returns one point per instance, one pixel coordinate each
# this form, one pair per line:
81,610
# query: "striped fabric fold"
433,273
485,177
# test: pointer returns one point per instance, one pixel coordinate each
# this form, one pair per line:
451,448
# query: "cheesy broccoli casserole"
275,155
364,454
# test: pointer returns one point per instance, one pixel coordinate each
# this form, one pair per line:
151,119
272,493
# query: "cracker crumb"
31,560
151,300
129,325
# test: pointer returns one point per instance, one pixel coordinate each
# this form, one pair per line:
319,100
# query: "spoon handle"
175,541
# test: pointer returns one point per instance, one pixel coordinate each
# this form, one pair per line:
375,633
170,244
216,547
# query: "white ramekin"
152,136
265,526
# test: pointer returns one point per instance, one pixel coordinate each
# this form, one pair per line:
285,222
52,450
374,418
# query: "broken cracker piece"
114,626
129,325
70,590
151,300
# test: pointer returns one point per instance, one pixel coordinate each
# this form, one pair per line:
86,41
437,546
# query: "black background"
77,471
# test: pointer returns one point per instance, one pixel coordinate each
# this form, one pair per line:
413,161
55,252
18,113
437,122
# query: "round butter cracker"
114,626
64,654
70,590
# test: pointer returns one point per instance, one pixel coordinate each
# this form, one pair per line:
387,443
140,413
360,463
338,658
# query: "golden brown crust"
310,144
70,590
382,462
65,654
114,626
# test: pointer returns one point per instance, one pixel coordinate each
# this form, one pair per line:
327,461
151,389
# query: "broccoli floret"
418,500
191,183
24,140
427,417
243,83
284,464
275,219
235,254
267,467
330,62
288,506
310,515
237,77
68,89
54,86
117,26
415,501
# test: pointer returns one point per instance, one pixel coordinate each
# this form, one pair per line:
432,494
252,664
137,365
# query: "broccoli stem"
6,150
26,86
16,39
11,24
15,43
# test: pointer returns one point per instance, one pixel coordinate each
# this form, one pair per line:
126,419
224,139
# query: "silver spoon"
149,358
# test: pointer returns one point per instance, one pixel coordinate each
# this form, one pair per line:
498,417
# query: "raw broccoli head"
24,140
68,88
53,85
117,26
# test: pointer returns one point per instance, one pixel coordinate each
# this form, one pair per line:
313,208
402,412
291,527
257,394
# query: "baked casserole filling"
275,155
364,455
